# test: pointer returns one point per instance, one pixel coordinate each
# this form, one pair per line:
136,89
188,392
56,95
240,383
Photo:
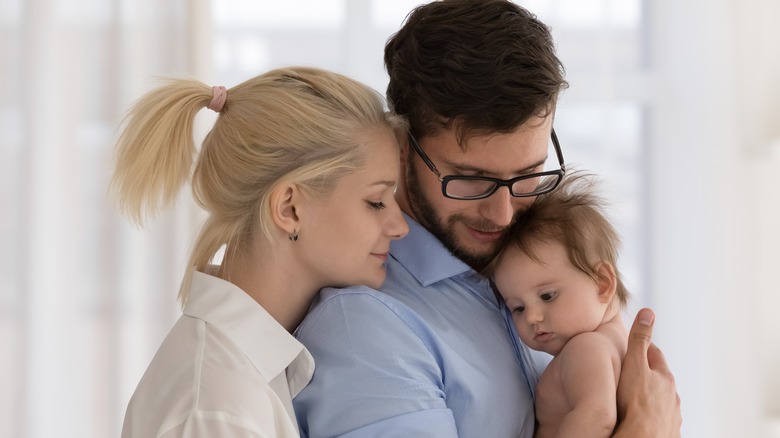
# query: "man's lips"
485,236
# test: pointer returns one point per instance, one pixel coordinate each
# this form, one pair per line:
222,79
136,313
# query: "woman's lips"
382,256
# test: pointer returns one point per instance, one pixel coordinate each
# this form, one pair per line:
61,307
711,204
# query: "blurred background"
676,104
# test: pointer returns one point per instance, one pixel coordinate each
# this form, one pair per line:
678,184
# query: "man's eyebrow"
470,168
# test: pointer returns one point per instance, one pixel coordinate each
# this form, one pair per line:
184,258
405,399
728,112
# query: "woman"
297,177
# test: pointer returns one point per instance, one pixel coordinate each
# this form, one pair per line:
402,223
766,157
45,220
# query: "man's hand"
648,403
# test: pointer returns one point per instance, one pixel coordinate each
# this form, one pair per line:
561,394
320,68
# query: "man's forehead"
455,136
508,156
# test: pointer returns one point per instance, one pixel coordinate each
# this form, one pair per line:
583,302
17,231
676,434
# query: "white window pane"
251,54
390,14
582,13
598,13
543,9
10,12
84,12
625,13
280,14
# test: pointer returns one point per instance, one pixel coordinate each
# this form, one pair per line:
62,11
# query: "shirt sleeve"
376,374
220,424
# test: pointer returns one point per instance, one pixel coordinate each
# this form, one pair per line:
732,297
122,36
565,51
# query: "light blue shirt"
433,354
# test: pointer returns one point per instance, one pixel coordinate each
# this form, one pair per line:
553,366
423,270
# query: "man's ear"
285,205
606,280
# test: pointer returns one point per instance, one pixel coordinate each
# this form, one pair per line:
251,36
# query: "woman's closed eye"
376,205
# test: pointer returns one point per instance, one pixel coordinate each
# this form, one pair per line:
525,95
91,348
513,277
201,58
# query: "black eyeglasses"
467,187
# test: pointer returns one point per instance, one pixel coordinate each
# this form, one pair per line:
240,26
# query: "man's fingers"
641,333
646,391
657,361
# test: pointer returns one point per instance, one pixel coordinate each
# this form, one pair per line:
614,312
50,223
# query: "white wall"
715,210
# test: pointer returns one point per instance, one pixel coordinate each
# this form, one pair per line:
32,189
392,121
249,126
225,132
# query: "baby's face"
551,300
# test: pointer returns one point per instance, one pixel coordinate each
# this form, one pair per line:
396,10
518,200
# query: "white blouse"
226,369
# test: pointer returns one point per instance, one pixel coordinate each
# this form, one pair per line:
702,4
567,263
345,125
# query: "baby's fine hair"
574,215
298,125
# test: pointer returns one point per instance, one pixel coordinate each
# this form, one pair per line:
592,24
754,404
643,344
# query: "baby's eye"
376,205
518,309
548,296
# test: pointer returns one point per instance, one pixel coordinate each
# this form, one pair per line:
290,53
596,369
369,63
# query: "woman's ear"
606,279
285,203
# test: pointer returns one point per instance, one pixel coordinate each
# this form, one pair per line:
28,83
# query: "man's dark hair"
483,66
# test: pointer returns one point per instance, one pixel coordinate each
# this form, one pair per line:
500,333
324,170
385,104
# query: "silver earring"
293,236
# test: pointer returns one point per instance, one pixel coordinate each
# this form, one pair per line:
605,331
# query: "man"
433,353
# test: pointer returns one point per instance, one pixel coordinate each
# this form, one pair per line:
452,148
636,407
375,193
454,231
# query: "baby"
557,274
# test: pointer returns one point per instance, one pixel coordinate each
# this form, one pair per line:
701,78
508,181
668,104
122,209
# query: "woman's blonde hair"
296,125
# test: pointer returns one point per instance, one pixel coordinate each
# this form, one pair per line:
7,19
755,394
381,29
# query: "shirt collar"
266,344
425,257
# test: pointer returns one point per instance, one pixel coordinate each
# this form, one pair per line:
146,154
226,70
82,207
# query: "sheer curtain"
85,298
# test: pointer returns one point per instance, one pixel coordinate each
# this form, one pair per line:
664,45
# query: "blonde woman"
297,177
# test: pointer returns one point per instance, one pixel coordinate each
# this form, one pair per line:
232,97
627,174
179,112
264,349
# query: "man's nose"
499,207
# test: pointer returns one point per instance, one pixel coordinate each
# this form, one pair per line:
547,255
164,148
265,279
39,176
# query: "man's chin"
476,255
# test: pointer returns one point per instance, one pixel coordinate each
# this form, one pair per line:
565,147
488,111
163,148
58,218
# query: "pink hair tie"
218,99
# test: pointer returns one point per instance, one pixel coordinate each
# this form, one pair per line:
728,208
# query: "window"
600,120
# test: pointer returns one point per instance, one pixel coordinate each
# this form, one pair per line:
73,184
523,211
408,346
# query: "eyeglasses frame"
498,182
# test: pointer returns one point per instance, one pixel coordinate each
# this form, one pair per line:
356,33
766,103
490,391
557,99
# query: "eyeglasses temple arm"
558,151
424,157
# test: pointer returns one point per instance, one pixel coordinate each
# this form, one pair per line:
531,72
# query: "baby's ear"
606,279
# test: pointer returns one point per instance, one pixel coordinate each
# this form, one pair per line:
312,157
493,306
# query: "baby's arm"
590,366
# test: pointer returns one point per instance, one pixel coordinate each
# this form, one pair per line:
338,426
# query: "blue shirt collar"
425,257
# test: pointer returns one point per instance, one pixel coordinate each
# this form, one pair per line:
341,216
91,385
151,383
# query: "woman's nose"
397,226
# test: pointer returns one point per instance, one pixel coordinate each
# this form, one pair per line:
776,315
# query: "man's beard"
427,217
